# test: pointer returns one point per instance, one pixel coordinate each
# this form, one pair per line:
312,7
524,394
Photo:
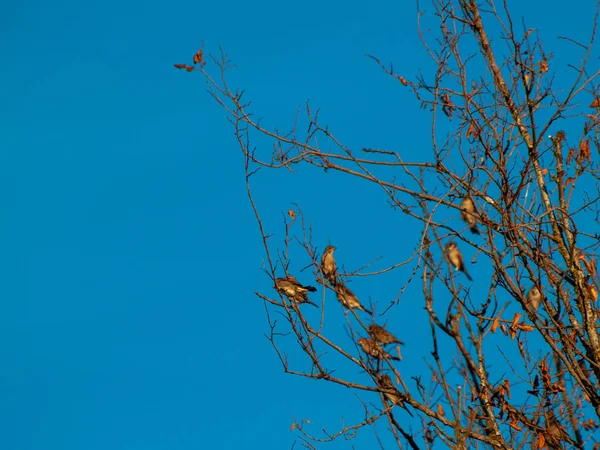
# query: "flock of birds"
379,337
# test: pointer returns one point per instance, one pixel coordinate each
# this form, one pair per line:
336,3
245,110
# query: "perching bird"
456,259
292,289
328,265
378,333
469,214
556,432
534,298
373,349
348,299
385,382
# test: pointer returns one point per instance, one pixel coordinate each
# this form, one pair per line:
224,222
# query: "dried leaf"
472,131
440,410
307,420
541,441
593,293
526,77
503,328
189,68
515,319
403,81
293,427
292,214
495,325
544,171
525,327
595,103
181,66
514,423
543,66
507,386
528,33
569,180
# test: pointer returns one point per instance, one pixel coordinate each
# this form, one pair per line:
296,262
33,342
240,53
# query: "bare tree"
503,180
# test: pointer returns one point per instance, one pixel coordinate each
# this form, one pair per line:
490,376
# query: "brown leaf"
595,103
593,293
189,68
292,214
472,131
541,441
514,423
403,81
507,386
525,327
293,427
543,66
198,57
440,410
494,325
307,420
515,319
569,180
181,66
503,328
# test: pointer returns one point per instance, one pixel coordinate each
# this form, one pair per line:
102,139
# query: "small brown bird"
328,265
292,289
373,349
348,299
385,382
469,214
378,333
556,431
534,298
456,259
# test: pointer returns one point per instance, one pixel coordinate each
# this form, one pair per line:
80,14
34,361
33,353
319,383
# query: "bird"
456,259
385,382
348,299
378,333
371,348
469,214
556,431
292,289
534,298
328,264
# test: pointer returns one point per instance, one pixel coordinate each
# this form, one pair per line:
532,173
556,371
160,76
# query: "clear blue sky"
130,253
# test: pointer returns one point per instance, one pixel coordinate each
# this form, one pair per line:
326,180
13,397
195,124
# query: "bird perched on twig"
456,259
534,298
292,289
328,265
556,431
371,348
348,299
469,214
378,333
385,382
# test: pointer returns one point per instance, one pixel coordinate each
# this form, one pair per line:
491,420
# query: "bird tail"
467,274
366,310
310,288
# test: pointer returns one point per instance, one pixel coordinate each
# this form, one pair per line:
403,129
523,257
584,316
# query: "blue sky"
130,250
